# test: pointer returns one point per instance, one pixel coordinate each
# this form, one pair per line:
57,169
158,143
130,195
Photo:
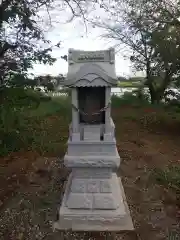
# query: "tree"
49,82
22,40
148,29
50,86
59,80
167,8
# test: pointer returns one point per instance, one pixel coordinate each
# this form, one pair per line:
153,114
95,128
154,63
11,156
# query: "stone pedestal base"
95,218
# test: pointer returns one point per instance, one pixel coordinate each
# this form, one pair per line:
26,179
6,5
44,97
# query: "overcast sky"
73,35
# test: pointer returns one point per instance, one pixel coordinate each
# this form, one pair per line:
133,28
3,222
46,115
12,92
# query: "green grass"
129,100
49,124
169,177
43,129
129,84
56,105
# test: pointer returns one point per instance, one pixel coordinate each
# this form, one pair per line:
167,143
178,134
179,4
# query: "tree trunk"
152,91
149,84
158,94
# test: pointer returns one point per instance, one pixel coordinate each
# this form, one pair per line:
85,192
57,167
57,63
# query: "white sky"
73,35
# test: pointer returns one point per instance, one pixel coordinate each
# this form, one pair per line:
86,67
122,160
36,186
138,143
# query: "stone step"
91,193
81,149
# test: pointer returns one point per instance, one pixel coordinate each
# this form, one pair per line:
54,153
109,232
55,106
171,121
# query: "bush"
21,112
45,98
115,101
19,98
65,90
14,105
128,98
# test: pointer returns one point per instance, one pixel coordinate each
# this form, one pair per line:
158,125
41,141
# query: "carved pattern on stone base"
89,193
99,220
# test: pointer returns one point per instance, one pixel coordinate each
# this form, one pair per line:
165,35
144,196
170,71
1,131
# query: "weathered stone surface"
99,220
102,173
88,147
92,133
86,185
79,186
104,201
97,193
93,186
80,201
92,161
105,186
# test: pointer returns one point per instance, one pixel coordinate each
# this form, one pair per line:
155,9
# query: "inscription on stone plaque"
90,56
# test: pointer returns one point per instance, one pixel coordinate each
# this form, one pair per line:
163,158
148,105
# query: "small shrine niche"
91,104
91,76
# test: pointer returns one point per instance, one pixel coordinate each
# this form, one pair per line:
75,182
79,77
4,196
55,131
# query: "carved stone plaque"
77,56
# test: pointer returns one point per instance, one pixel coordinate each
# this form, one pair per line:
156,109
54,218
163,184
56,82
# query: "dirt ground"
31,185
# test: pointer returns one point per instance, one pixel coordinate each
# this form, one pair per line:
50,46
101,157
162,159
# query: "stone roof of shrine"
91,74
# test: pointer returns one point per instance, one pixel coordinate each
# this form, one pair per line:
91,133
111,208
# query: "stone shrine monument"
94,198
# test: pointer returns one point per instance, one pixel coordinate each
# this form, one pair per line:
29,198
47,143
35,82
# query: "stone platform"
95,219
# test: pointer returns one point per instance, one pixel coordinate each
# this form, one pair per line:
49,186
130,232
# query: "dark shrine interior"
91,100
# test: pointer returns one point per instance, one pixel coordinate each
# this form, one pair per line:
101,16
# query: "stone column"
108,127
75,116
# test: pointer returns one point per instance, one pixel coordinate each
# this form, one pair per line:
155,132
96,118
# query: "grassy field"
32,179
50,126
126,84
